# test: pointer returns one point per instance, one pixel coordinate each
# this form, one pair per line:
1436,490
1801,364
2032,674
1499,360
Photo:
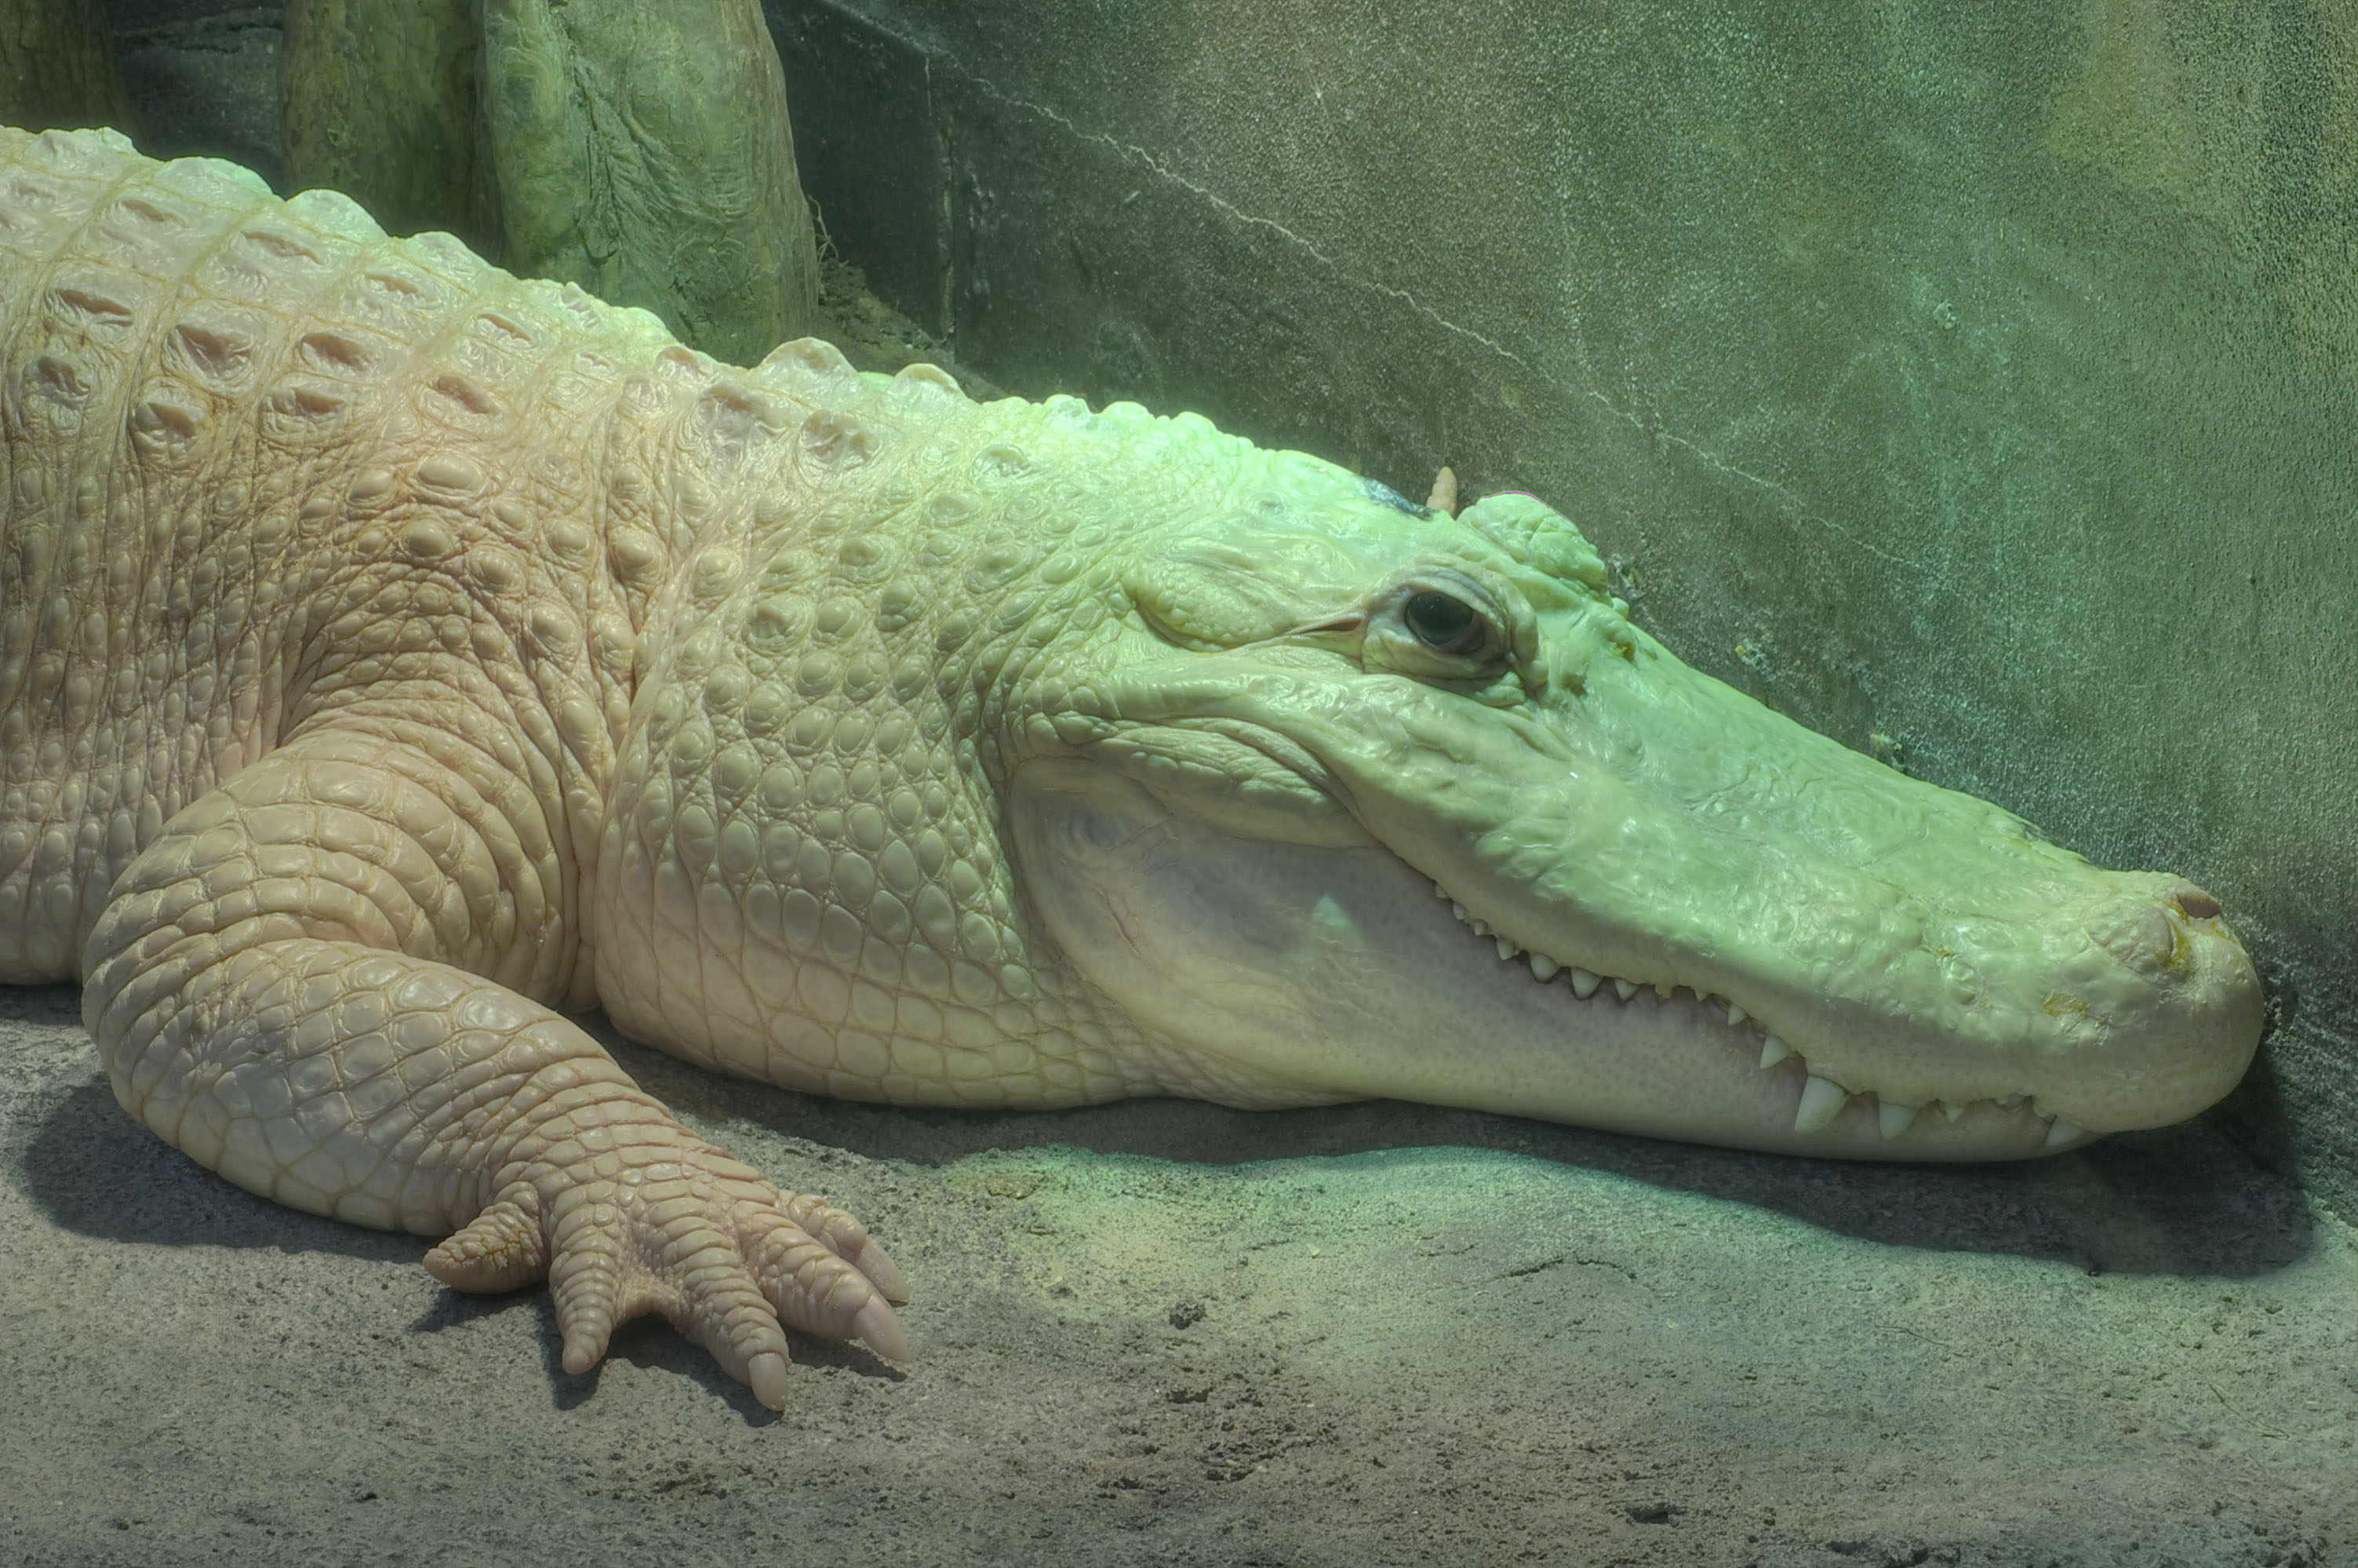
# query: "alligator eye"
1444,624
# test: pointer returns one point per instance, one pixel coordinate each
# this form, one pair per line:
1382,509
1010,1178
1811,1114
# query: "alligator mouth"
1819,1099
1274,972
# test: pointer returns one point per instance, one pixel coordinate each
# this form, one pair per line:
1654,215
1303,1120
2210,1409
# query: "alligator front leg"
299,983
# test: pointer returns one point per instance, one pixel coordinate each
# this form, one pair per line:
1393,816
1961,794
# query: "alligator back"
218,416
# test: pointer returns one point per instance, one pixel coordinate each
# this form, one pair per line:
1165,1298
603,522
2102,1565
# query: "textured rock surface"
379,102
643,152
204,78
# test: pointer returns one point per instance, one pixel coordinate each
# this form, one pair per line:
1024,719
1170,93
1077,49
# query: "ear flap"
1443,498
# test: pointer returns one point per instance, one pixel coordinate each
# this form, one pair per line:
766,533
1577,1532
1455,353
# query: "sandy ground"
1163,1333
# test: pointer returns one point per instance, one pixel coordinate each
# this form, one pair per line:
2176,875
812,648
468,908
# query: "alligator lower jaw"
1818,1102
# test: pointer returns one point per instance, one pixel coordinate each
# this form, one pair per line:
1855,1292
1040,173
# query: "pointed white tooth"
1952,1111
1481,927
1625,990
2064,1131
1664,991
1584,982
1507,949
1822,1100
2007,1102
1737,1015
1773,1051
1894,1118
1544,969
1458,909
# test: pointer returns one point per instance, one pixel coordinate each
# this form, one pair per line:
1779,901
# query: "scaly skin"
395,656
322,677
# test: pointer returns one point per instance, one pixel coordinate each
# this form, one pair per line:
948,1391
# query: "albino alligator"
396,658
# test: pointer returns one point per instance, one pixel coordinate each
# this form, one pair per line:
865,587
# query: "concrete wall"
204,77
1982,391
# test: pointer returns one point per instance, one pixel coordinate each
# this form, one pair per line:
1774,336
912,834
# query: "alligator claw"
666,1223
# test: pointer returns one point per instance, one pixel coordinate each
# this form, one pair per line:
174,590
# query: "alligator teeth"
1821,1102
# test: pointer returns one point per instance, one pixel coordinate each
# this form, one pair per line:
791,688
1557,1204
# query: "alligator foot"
652,1218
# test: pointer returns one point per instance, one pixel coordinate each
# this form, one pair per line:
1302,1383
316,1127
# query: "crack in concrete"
1785,499
1133,151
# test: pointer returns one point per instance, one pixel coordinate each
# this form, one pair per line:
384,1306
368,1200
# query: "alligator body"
396,658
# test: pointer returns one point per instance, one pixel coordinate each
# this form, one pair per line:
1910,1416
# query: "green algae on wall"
2164,99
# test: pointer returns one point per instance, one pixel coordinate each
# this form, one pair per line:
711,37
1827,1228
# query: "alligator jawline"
1820,1100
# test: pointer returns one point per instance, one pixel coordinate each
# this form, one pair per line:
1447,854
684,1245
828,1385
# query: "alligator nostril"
2196,904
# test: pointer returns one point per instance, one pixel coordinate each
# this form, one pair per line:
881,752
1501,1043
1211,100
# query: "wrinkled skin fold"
396,658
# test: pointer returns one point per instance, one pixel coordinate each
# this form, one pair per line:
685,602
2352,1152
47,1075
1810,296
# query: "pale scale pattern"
327,559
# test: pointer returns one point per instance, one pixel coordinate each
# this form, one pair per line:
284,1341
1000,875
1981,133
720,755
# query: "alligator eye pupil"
1441,622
